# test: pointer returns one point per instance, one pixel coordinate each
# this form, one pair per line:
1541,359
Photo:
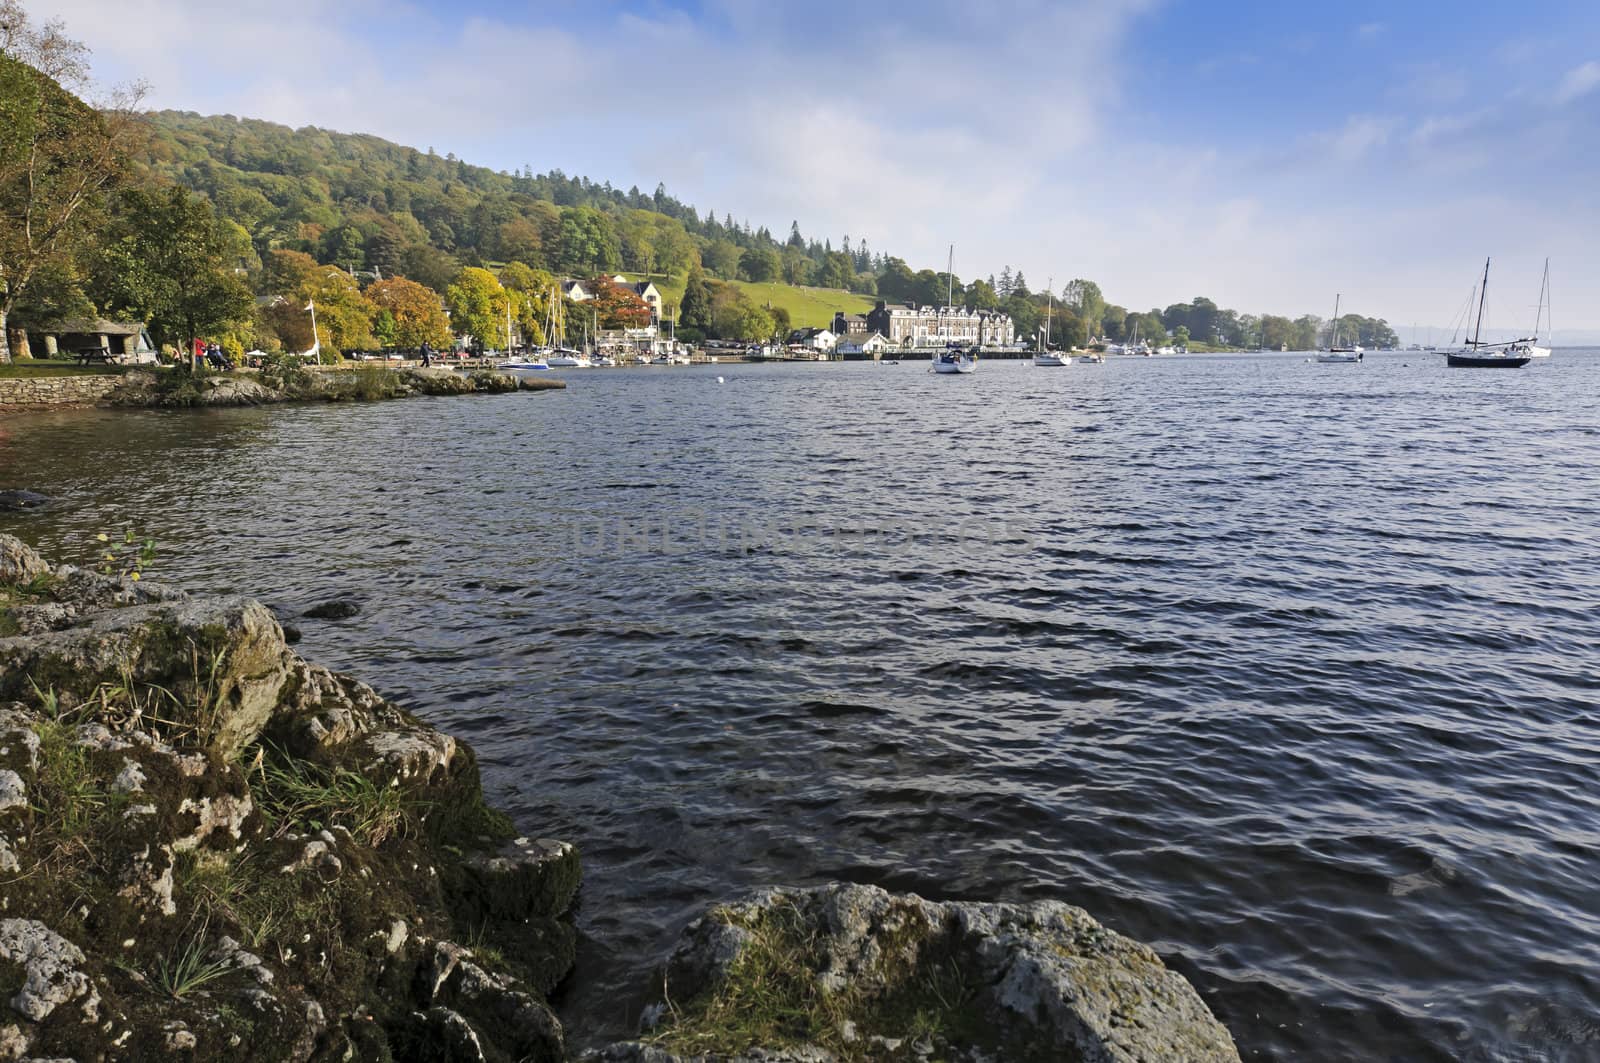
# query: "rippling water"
1287,669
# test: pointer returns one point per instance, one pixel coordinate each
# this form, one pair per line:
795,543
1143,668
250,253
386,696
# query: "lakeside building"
904,325
820,340
862,345
578,291
119,341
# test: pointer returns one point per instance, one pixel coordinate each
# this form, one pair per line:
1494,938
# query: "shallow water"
1287,669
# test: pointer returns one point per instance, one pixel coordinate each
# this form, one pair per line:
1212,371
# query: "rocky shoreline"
213,849
182,388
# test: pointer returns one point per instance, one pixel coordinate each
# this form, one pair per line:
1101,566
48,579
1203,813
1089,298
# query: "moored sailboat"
1479,355
1336,353
954,358
1045,355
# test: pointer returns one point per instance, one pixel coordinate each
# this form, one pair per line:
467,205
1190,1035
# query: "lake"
1286,669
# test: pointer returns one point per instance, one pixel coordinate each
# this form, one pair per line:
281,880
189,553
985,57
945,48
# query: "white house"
813,339
872,345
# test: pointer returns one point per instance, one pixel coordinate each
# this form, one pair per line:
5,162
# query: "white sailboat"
954,358
1336,353
1530,345
1046,356
529,361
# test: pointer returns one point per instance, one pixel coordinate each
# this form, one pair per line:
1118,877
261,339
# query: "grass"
301,793
771,996
33,370
185,968
808,307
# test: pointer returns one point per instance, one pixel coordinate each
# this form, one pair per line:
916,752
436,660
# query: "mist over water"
1286,669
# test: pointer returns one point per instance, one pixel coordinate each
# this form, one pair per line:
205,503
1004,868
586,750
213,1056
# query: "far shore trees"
58,155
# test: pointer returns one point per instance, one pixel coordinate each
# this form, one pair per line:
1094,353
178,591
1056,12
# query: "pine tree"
694,312
795,239
1019,286
1004,287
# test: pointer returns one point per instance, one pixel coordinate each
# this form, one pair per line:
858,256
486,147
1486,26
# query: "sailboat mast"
1049,308
1483,294
1544,293
1333,326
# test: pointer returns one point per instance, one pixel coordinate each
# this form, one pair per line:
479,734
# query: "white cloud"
1360,136
1580,81
923,125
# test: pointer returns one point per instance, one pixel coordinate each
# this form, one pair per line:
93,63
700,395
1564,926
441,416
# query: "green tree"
169,261
478,306
1083,298
58,156
694,311
1068,330
722,258
588,241
981,296
760,264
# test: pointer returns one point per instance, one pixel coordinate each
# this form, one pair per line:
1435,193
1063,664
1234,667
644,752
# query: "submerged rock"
853,972
333,609
12,501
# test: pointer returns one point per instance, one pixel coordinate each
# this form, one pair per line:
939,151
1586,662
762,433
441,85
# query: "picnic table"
96,355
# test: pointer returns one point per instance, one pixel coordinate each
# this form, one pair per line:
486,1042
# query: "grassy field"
808,307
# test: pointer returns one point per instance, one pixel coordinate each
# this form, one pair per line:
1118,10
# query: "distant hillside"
366,203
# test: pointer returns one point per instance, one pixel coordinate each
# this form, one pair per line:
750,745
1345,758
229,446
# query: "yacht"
1336,353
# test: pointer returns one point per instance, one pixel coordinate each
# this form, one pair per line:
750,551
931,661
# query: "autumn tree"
477,302
344,316
285,272
58,155
618,307
530,292
416,313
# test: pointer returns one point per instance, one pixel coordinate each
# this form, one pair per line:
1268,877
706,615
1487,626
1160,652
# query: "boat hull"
1486,361
1051,360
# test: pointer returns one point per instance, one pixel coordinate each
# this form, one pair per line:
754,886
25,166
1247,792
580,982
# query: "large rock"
223,659
879,975
176,784
19,562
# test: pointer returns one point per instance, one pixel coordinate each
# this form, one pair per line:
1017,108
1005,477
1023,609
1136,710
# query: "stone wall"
39,392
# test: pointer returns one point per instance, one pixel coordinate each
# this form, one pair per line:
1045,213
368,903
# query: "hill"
365,203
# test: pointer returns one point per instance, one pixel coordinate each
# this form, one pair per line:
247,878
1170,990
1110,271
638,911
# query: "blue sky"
1266,155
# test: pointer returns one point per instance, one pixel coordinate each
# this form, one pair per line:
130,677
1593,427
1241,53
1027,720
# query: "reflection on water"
1284,668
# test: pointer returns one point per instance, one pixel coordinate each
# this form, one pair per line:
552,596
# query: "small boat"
1335,353
530,362
566,358
1479,355
1092,358
1046,356
954,359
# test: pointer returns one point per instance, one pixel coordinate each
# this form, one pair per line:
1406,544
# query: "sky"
1266,155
